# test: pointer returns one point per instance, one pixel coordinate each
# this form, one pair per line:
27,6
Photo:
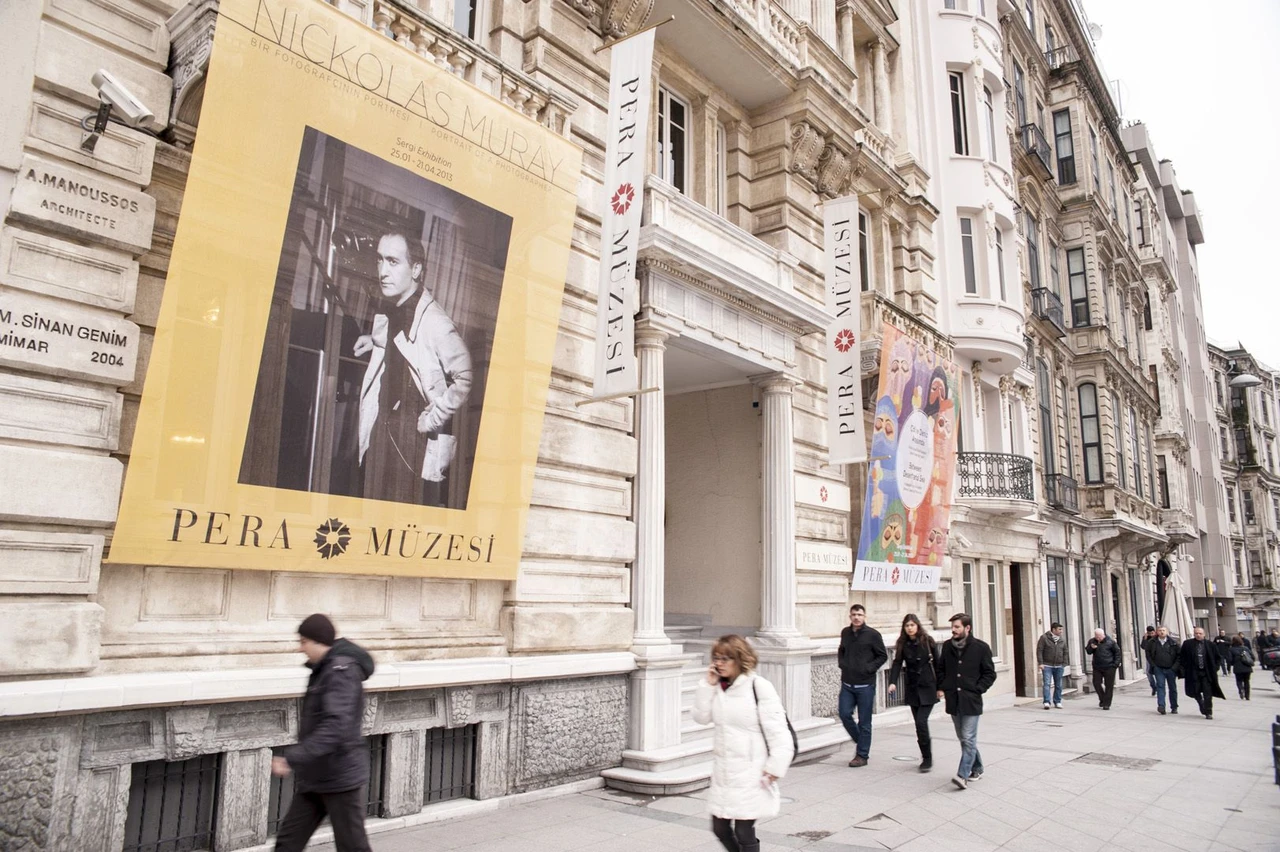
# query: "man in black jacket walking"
965,671
1200,670
1106,659
1162,653
860,656
330,763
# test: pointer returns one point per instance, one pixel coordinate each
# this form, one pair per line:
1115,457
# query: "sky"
1202,77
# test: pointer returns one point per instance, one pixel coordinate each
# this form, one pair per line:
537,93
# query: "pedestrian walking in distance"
1242,665
1222,647
915,657
1163,653
1106,659
860,656
1147,639
965,671
1051,656
1200,671
752,746
330,763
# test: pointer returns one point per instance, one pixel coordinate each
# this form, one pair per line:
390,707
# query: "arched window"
1091,434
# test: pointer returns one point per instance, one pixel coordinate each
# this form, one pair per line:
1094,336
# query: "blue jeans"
1166,676
1052,677
1151,676
967,733
863,697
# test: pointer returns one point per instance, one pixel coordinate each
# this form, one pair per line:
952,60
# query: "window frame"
1090,449
667,166
1117,425
1004,290
1079,297
721,188
959,114
1097,167
968,253
864,249
1020,94
1033,251
1064,148
989,119
1044,395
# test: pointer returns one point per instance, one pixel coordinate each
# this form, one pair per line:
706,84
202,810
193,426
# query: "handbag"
795,740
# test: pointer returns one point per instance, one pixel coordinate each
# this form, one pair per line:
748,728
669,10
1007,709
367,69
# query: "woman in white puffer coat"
753,747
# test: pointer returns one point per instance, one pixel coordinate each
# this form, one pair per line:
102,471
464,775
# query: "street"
1078,779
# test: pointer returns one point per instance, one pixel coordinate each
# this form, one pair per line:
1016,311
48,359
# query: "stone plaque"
822,493
83,204
94,276
820,556
51,336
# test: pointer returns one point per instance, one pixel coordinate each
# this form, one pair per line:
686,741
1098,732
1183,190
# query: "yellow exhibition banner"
352,356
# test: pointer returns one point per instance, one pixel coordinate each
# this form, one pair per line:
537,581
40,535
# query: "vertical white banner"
846,434
630,89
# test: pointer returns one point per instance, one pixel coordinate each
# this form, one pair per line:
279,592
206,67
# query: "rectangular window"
1078,284
1275,509
464,17
1093,155
172,804
989,123
948,4
1044,390
1250,517
1140,212
966,249
959,120
1064,399
864,249
993,608
1111,179
1090,434
450,764
1064,146
1055,276
967,583
1135,451
1050,43
1031,16
673,141
722,170
1020,94
1162,475
1057,590
1004,296
1151,467
1033,251
1095,594
1117,422
1225,443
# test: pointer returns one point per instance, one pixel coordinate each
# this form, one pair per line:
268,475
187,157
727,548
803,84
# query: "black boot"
926,754
750,847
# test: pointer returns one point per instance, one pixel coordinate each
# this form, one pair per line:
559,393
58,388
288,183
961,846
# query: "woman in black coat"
916,654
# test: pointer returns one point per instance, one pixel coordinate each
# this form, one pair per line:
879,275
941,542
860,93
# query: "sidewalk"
1077,779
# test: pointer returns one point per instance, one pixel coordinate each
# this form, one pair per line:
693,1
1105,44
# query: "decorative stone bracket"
821,161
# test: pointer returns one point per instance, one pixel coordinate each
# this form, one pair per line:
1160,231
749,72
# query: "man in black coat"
1200,672
861,654
1222,648
1162,654
965,671
1106,659
330,763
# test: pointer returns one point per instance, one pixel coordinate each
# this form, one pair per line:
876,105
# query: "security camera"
133,112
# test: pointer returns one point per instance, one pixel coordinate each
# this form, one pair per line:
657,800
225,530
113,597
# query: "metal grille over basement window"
451,764
172,805
282,789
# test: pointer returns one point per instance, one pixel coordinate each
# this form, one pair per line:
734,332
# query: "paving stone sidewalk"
1079,779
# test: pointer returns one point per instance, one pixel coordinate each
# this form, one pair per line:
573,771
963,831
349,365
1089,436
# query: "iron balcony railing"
1000,475
1061,492
1047,305
1034,143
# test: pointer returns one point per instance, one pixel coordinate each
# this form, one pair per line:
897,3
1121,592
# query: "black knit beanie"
318,628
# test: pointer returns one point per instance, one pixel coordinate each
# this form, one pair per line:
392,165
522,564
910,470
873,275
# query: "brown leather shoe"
858,761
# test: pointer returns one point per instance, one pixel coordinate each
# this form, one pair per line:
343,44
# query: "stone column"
647,584
880,88
1075,606
844,43
245,786
405,773
778,609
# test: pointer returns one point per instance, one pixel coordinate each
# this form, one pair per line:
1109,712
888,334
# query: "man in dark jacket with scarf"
1200,671
1106,659
965,671
330,763
1162,653
1051,656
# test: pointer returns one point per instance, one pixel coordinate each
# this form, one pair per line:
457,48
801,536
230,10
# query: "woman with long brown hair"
752,746
916,655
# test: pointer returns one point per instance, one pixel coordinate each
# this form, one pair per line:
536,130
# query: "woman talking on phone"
917,655
752,745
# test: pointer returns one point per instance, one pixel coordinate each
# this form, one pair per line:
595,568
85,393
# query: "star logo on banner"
332,538
822,494
844,340
897,575
622,198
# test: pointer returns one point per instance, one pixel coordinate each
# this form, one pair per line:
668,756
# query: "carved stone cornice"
623,17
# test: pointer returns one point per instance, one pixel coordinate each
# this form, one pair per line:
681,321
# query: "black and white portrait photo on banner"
380,332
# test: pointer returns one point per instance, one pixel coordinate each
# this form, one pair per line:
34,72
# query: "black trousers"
735,834
920,713
1104,683
345,811
1204,696
1242,683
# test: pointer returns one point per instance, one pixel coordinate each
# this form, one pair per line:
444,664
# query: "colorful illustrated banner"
352,355
907,513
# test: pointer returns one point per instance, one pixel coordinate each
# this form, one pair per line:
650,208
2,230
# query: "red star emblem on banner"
622,198
844,340
897,575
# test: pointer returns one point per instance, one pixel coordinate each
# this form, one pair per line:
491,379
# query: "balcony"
1061,493
1047,305
989,331
1061,57
1037,150
996,483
